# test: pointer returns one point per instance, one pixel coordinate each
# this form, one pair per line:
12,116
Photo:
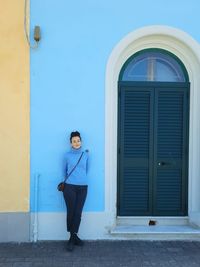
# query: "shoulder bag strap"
73,168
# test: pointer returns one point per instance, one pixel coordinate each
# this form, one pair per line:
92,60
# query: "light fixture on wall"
37,31
37,34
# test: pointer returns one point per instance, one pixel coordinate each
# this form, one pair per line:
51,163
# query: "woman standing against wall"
75,190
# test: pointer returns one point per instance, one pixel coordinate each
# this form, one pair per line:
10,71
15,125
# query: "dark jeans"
75,196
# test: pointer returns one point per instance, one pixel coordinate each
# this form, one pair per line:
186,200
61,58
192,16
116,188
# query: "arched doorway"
153,122
187,49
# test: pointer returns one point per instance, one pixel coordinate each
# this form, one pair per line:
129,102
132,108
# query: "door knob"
161,163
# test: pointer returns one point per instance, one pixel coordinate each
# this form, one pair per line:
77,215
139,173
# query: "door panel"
152,163
135,142
170,129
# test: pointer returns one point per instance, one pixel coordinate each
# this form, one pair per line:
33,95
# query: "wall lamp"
37,31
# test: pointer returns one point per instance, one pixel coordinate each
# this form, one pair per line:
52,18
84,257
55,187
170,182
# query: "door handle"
161,163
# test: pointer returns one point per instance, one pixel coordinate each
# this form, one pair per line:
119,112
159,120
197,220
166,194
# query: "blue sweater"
79,175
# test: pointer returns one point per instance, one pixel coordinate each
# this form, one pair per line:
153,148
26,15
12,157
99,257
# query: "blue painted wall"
68,80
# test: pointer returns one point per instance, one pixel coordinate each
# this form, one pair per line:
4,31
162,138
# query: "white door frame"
187,50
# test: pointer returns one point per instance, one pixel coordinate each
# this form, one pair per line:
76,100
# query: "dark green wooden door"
153,149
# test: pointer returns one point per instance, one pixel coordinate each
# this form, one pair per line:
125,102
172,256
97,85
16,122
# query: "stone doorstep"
155,232
144,220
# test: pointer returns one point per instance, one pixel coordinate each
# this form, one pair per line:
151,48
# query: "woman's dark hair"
73,134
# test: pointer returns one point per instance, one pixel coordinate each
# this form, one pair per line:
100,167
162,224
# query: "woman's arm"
87,161
64,166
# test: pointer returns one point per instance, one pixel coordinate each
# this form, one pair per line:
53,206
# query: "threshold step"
155,232
159,220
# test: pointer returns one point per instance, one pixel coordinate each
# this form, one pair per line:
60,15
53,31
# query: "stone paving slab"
101,253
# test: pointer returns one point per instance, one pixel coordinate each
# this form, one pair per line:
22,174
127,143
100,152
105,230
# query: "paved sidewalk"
101,253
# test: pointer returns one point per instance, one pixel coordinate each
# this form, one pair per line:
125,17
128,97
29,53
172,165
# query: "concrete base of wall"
52,226
14,227
25,227
101,225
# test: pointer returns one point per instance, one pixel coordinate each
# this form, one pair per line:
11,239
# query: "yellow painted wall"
14,108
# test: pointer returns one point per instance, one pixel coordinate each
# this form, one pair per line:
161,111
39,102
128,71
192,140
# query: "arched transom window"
154,65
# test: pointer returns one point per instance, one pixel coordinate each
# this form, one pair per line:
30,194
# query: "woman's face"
76,142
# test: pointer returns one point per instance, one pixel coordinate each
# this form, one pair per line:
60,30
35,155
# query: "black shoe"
70,245
77,241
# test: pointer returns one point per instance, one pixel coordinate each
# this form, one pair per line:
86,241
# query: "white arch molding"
188,51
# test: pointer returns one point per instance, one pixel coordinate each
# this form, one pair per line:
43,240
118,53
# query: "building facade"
124,74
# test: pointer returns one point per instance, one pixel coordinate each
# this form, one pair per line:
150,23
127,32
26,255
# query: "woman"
75,191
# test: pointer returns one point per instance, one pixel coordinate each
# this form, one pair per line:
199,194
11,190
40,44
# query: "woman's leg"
70,201
80,201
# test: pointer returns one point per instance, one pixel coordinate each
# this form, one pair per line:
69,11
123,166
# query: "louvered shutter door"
135,150
153,145
169,150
